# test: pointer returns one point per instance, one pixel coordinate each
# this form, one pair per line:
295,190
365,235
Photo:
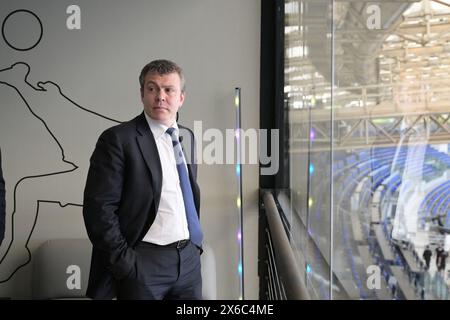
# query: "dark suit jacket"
2,202
121,198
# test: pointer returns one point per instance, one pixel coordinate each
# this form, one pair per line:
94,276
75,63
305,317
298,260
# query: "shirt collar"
158,129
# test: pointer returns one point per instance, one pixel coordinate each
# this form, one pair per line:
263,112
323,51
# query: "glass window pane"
367,89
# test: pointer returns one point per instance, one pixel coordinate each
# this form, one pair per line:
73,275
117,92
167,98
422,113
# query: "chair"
61,269
209,286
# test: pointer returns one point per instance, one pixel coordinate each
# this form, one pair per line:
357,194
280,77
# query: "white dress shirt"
170,224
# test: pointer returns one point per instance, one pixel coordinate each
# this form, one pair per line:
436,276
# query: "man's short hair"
162,67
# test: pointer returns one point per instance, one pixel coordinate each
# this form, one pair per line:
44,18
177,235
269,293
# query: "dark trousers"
164,272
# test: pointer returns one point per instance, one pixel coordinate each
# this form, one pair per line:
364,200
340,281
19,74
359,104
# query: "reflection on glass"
367,89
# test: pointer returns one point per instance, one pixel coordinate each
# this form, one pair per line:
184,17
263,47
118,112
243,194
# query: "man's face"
162,97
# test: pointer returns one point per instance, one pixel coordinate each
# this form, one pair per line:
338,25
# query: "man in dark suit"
2,203
141,200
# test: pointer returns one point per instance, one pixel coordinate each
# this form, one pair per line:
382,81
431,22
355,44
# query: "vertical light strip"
240,236
332,151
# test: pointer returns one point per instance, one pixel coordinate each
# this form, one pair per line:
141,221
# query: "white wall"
97,67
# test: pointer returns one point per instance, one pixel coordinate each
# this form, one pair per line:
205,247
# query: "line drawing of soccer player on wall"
61,127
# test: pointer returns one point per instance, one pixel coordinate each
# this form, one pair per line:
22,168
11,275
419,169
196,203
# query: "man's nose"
160,96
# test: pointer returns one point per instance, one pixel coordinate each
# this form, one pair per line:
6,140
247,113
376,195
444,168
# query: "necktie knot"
176,145
170,131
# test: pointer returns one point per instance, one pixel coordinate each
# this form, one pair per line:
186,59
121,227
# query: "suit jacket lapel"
149,151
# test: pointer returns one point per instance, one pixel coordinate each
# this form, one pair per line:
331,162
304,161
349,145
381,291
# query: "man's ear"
182,96
142,93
